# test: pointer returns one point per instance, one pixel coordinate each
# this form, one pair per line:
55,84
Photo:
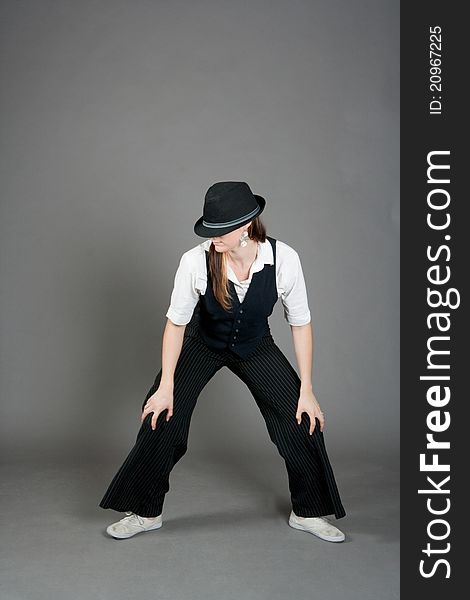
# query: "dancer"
225,289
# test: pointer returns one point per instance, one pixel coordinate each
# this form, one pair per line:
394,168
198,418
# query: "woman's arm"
171,348
184,297
303,343
162,398
291,283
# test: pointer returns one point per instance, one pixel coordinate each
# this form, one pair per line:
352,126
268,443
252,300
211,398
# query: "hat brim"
203,231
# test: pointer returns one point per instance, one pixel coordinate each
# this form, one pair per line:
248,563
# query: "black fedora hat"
227,206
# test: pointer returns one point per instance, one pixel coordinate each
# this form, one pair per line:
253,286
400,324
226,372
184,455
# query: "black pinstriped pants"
142,481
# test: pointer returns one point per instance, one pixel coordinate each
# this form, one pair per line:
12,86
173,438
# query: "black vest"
241,328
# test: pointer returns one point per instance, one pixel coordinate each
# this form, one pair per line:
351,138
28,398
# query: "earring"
243,237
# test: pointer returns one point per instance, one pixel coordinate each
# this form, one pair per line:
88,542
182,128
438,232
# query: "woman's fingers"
312,423
156,413
313,414
154,419
157,404
320,418
147,409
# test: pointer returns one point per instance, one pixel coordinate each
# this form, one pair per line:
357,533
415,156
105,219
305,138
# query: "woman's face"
229,241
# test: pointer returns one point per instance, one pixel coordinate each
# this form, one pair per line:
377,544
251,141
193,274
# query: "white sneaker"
132,524
319,526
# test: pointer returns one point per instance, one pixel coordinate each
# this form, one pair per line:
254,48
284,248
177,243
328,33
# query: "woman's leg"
142,481
275,386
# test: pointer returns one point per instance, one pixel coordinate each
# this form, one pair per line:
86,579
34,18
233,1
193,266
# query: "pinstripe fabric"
142,481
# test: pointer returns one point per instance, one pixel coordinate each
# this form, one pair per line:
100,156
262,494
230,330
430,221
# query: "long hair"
218,264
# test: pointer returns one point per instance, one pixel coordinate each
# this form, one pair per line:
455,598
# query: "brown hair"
218,264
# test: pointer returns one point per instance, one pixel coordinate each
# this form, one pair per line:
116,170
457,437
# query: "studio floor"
225,534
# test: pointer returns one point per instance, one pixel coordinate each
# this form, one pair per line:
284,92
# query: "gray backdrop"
116,116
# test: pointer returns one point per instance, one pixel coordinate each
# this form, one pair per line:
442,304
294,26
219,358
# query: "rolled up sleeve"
294,293
185,294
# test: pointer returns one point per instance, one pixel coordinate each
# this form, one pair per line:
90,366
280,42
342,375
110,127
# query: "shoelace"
132,518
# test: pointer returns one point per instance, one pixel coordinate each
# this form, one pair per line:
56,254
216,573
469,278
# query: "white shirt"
191,280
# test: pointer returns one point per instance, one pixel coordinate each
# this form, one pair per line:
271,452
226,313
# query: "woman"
224,291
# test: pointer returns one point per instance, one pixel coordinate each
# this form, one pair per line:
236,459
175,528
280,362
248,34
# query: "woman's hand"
309,404
161,400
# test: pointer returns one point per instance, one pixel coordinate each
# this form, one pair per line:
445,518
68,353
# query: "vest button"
236,330
232,344
234,337
241,310
238,320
